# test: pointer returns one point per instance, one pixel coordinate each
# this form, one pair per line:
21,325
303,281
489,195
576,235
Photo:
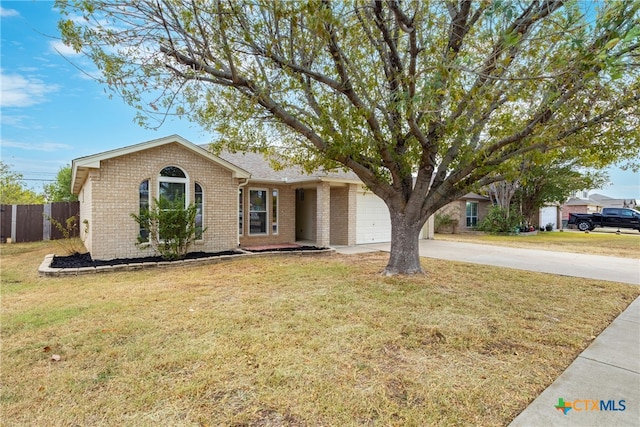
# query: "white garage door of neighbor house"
372,224
549,215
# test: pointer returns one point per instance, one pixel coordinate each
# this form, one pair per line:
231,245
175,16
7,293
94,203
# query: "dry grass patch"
289,341
608,243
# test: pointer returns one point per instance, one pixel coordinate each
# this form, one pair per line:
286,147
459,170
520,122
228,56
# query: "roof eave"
93,161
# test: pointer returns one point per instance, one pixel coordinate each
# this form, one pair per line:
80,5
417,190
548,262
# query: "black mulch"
84,260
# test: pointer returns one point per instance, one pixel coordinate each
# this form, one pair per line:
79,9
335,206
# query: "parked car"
609,217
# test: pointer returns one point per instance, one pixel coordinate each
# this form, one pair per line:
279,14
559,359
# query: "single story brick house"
241,200
466,212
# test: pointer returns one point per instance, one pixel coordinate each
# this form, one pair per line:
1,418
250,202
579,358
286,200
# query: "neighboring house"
576,205
241,200
467,211
610,202
592,204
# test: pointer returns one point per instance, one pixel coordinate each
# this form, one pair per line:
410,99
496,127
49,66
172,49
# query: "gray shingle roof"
475,196
582,202
262,170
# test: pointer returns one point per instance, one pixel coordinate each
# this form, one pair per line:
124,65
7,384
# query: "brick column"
351,214
323,214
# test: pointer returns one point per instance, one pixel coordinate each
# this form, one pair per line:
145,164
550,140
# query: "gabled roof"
80,167
475,196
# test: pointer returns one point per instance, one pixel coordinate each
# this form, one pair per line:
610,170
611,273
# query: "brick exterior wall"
458,210
286,215
112,193
343,215
323,214
578,209
483,209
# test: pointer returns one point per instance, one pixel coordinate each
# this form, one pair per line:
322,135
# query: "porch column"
351,215
428,229
323,214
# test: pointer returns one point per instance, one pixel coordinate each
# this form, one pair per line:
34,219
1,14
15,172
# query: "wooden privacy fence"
32,223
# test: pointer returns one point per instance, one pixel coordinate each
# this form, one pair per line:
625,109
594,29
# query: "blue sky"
52,113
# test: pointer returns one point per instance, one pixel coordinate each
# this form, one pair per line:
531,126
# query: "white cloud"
13,120
20,91
6,13
38,146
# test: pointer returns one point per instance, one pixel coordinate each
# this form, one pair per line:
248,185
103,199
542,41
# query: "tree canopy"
553,182
424,101
12,189
60,189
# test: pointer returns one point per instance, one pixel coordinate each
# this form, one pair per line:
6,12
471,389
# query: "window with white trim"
144,208
472,214
198,200
257,211
172,184
274,211
240,211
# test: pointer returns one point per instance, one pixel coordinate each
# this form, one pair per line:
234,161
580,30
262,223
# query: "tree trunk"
405,255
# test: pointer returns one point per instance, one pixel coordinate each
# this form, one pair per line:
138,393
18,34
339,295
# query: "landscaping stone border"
45,269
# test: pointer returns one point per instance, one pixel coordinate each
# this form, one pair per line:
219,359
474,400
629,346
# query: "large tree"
423,100
545,178
553,182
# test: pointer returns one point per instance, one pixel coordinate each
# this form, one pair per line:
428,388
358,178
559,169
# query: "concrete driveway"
624,270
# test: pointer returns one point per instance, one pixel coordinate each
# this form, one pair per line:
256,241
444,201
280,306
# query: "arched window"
198,199
144,208
173,184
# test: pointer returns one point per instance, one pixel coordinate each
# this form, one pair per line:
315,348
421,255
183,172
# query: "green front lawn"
289,341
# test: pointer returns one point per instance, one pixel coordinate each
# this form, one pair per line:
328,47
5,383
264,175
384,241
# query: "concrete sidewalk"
602,385
608,370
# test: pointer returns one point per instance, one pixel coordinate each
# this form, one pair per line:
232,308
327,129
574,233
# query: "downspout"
246,181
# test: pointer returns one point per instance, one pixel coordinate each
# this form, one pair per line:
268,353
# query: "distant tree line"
13,190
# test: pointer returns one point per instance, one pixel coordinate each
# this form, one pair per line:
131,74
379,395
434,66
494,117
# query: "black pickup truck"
609,217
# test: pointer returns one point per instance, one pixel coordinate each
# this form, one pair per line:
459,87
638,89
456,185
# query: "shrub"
168,227
445,221
69,230
500,220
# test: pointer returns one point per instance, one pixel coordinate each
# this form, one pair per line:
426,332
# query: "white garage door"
549,214
372,224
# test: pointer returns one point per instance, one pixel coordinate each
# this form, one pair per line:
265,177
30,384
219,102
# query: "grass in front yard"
626,245
289,341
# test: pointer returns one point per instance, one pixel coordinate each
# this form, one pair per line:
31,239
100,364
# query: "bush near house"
445,223
500,220
169,227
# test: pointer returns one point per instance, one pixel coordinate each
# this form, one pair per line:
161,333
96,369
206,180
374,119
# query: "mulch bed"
84,260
